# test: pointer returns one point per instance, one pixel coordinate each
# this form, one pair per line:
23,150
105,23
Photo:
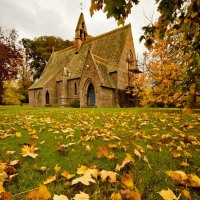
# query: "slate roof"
108,46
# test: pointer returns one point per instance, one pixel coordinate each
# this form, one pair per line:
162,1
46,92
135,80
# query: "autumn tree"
39,50
163,81
10,57
181,15
11,95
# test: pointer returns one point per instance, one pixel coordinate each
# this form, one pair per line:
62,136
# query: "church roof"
107,46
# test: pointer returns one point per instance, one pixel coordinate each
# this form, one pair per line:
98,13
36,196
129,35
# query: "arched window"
47,97
75,89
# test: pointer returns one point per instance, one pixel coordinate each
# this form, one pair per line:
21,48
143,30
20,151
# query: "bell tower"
80,33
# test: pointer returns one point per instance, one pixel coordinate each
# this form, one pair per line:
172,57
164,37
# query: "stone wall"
123,65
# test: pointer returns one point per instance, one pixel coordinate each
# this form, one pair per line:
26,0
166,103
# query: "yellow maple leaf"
127,179
41,193
27,150
81,196
116,196
50,179
112,176
67,175
167,194
85,179
178,176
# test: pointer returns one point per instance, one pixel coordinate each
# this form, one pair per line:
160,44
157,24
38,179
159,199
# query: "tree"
164,83
181,15
10,57
11,96
39,50
25,80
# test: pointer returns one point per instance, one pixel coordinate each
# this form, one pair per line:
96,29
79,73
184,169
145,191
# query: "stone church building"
95,72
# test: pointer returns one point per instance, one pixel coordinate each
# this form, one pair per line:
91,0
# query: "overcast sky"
34,18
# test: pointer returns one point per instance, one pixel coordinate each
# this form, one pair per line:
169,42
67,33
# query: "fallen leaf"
103,153
193,181
183,164
29,151
14,162
50,179
67,175
10,152
6,195
85,179
178,176
116,196
108,174
82,169
133,194
81,196
137,153
127,179
147,161
167,194
3,176
186,194
128,160
57,168
18,134
60,197
41,193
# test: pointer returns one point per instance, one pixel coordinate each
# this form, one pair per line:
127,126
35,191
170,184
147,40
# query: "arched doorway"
91,95
47,98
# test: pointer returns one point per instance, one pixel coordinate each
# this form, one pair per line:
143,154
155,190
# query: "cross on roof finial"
81,6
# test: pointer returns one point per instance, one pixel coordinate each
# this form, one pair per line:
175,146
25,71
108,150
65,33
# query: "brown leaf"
103,153
6,195
133,194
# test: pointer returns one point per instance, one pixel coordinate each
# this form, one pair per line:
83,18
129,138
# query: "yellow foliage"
41,193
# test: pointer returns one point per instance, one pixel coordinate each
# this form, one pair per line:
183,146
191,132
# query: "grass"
160,133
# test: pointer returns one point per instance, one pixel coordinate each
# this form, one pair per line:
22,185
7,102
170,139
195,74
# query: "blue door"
91,95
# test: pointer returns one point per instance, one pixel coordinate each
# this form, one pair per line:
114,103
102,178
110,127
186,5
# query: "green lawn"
158,140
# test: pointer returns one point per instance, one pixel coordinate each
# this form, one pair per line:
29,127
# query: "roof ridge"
108,33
